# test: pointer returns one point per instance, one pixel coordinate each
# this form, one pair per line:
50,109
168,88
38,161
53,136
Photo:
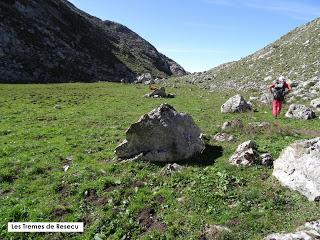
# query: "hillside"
295,55
53,41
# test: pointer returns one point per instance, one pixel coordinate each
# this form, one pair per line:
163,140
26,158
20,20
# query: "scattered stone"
237,123
66,167
245,155
226,125
213,232
144,78
266,98
160,93
174,167
259,124
205,138
99,236
309,231
315,103
302,112
163,135
58,106
253,98
298,168
236,104
266,159
67,162
222,137
149,82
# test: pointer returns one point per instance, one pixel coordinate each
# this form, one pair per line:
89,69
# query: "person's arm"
271,87
288,87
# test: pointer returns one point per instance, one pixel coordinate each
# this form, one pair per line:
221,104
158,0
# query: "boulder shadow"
208,156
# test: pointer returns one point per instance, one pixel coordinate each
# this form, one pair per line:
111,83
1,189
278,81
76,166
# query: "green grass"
43,127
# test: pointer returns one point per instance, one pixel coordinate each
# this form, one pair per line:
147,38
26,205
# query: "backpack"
279,91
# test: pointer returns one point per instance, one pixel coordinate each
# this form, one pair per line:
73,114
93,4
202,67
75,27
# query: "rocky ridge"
295,55
53,41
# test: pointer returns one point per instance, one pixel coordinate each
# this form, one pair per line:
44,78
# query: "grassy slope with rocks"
45,127
53,41
295,55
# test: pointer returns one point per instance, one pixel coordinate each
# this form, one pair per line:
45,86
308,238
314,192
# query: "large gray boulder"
299,111
309,231
163,135
298,168
245,155
236,104
315,103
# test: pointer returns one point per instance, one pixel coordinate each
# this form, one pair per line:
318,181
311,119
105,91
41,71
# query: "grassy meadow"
46,127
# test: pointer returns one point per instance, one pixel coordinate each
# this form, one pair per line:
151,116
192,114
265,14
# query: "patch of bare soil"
92,197
148,221
264,176
112,188
61,212
159,199
234,222
64,190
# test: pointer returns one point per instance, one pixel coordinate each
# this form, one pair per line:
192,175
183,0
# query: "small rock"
245,155
159,93
144,77
253,98
237,123
266,159
222,137
315,103
300,112
173,167
226,125
182,199
212,232
149,82
260,124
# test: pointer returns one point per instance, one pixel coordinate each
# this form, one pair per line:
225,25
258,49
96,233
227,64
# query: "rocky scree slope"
53,41
295,55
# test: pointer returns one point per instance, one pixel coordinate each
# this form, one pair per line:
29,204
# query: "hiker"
278,89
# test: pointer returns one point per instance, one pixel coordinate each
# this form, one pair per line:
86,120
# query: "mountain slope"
295,55
53,41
